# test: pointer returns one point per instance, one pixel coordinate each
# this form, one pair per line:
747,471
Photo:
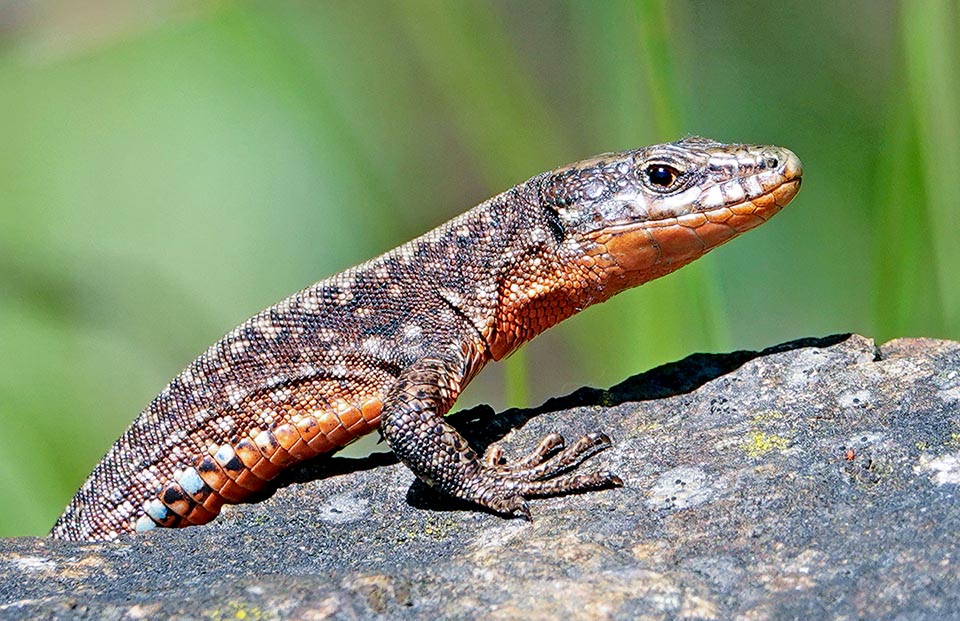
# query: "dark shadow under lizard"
481,426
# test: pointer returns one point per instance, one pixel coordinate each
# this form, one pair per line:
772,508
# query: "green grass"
166,174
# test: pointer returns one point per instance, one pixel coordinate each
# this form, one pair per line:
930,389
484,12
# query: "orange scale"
319,444
744,222
267,444
764,201
327,422
361,427
341,436
249,480
349,415
176,499
200,515
286,436
213,503
272,450
744,209
282,458
719,215
308,428
266,470
233,493
212,474
248,453
301,450
713,234
783,194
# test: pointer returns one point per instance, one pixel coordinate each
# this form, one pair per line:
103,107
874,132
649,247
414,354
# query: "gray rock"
813,480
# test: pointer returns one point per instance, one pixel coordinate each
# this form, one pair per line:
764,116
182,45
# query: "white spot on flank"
234,395
281,395
372,345
266,328
157,510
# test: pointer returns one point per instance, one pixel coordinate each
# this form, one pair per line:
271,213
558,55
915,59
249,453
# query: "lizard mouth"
651,248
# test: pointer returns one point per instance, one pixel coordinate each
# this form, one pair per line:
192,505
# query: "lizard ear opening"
554,224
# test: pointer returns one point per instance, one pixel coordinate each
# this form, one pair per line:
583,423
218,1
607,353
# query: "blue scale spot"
224,453
190,481
144,523
157,510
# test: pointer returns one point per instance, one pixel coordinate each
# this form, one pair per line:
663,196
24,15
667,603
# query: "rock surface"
815,480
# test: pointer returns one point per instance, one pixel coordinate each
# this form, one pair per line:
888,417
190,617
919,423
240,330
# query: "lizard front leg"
413,425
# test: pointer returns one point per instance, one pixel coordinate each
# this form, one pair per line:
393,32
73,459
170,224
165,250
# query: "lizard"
389,344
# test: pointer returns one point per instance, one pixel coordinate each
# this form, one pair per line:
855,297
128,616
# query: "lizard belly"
295,428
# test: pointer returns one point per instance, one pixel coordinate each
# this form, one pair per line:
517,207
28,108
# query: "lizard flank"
391,343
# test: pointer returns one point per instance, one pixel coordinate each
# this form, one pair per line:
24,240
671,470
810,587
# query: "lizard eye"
661,177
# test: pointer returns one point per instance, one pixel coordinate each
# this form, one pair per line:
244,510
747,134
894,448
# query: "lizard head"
621,219
636,215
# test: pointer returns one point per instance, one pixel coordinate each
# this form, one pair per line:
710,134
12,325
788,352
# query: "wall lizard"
391,343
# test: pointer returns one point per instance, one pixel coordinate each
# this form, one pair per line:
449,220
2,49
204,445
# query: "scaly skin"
391,343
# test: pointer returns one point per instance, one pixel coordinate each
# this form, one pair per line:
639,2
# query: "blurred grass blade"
904,304
655,35
930,31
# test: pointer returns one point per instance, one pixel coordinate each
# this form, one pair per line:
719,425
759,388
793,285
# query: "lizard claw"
537,474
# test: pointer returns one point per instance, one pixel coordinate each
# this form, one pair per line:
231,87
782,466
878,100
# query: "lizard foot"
504,486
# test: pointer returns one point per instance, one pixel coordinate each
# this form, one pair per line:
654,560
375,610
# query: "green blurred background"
168,168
